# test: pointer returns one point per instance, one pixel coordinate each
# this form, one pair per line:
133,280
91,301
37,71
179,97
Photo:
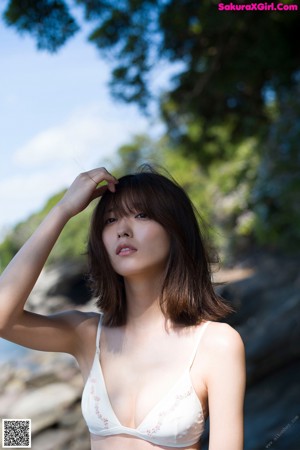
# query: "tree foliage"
49,22
71,244
275,195
231,62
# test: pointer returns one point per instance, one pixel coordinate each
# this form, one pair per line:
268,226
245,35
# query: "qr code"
16,433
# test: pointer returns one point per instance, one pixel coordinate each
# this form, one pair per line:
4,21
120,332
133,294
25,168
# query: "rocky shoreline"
47,387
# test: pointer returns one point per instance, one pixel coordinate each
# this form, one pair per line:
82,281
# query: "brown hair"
187,294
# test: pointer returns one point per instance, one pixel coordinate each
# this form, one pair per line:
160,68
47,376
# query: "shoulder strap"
201,332
98,334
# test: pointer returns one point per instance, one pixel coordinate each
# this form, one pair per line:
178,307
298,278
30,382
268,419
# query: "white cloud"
89,134
52,159
23,194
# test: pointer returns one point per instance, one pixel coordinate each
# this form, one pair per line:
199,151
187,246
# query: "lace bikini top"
175,421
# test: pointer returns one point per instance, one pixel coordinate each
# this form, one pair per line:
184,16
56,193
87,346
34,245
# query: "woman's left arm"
226,389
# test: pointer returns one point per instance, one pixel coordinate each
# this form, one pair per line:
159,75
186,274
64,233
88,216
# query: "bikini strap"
98,334
201,332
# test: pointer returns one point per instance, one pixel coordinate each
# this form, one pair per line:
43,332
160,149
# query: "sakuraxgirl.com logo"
257,7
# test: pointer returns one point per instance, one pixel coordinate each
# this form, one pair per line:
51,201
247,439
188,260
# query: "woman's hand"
85,188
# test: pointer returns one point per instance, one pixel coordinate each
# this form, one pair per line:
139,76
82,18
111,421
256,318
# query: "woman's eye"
141,216
109,220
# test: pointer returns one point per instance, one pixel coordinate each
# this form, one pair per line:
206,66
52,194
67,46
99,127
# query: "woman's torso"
141,380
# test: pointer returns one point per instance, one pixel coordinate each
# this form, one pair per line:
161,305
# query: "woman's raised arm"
56,332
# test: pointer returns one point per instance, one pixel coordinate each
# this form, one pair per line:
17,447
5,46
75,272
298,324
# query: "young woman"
155,360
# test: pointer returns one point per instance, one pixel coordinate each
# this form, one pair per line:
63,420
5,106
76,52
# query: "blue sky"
57,119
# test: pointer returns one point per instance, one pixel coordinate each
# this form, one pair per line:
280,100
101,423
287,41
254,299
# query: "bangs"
134,193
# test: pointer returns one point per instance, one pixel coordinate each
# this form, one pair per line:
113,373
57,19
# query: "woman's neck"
143,306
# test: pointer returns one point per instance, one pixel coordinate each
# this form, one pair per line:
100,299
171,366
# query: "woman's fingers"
85,188
99,191
97,176
101,174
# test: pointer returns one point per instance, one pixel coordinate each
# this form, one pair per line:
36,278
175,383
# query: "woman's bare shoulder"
221,337
223,356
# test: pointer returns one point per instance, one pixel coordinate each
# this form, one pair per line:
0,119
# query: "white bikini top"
175,421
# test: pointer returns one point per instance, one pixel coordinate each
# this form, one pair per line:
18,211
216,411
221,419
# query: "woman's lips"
124,250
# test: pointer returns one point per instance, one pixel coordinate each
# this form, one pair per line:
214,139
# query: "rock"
45,405
270,338
52,439
272,411
60,287
6,373
72,417
6,400
70,433
15,385
41,379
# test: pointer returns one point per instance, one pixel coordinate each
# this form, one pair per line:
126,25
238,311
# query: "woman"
166,363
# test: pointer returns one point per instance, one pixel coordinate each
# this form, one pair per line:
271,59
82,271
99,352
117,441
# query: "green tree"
275,196
70,246
231,62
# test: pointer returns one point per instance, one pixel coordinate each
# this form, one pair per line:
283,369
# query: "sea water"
10,351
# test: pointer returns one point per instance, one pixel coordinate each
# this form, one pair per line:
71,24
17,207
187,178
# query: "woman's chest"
138,379
137,375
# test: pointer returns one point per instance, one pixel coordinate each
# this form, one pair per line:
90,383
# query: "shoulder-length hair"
187,294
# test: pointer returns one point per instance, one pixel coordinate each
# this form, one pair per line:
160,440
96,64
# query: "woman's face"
136,245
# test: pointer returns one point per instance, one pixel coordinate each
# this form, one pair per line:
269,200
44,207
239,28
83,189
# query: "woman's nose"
124,228
123,233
